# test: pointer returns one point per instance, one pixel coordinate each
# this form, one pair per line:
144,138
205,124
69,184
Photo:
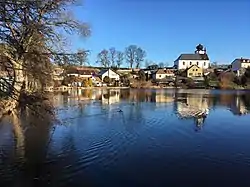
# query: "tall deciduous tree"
31,37
140,55
81,57
134,55
119,58
103,58
112,56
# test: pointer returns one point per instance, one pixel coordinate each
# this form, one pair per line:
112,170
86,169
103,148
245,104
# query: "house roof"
195,56
105,70
81,71
164,71
192,66
243,60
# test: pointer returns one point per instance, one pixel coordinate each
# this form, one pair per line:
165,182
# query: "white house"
163,73
109,73
240,64
199,58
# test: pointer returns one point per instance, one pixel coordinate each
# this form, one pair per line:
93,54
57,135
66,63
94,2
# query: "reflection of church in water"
188,105
194,106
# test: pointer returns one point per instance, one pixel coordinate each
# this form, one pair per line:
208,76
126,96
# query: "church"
198,58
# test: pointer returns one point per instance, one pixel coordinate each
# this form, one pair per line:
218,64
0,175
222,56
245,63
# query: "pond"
131,137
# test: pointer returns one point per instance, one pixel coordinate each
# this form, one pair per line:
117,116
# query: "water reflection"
187,104
120,133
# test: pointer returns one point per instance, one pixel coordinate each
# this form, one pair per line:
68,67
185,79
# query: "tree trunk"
19,80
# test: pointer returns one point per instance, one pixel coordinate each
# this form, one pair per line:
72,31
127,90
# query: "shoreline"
150,87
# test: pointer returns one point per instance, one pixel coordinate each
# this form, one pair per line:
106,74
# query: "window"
196,69
199,73
190,74
204,63
197,63
183,63
159,75
190,63
193,69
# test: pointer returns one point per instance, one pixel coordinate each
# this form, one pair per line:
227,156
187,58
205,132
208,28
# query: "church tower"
200,50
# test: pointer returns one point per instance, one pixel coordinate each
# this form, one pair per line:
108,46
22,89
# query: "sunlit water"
132,138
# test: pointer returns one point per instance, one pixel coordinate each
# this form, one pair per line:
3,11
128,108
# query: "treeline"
228,80
133,56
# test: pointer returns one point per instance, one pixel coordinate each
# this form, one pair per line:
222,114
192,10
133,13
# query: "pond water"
132,138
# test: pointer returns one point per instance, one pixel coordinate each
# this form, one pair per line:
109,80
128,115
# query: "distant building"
78,74
81,72
199,58
163,73
109,73
239,65
193,71
150,71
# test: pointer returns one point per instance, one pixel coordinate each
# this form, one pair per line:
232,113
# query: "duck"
119,110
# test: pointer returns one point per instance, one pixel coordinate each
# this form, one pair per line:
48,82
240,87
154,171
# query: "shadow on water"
110,129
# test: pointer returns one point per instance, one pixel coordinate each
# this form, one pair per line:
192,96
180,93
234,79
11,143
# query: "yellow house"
194,71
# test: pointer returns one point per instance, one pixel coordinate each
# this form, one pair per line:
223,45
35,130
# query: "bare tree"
112,56
81,57
103,58
30,33
134,55
130,53
140,55
119,58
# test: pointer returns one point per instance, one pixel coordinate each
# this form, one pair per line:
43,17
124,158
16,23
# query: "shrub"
227,80
87,83
106,79
142,75
247,73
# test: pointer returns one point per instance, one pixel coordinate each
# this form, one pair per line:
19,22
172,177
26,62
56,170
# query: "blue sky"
165,29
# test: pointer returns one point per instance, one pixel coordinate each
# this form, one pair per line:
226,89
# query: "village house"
199,58
193,71
113,76
80,74
163,74
239,65
150,71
